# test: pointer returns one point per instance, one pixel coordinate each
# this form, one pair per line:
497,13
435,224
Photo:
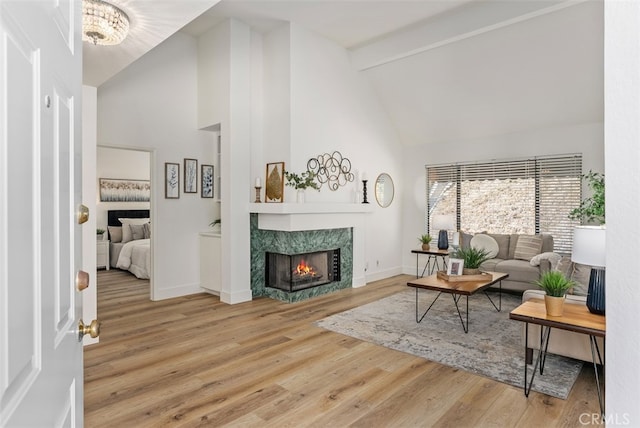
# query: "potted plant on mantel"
425,240
555,285
473,258
301,182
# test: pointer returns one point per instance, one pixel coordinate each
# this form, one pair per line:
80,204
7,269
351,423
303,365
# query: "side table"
432,260
576,318
102,254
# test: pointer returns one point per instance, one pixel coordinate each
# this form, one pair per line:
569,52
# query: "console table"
432,260
576,318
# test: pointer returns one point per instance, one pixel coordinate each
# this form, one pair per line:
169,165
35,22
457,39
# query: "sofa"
524,263
562,342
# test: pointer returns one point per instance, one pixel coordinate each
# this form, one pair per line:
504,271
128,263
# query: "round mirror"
384,190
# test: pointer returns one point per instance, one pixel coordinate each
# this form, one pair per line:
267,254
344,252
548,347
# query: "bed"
129,241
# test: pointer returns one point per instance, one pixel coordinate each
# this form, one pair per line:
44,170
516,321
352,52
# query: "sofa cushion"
580,274
503,244
527,247
490,265
485,242
519,270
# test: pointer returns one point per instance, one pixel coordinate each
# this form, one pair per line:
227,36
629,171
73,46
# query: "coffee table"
457,289
576,318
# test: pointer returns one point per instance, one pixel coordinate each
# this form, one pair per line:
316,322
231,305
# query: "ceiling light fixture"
103,23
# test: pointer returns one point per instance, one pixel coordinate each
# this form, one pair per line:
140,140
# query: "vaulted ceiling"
443,70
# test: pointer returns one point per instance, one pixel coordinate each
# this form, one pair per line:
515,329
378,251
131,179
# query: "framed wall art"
122,190
190,176
274,187
206,187
171,180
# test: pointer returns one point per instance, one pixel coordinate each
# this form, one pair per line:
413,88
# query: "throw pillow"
126,231
115,233
581,275
465,240
553,258
137,231
147,231
527,247
487,243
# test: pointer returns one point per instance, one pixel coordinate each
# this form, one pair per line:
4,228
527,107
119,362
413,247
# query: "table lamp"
444,223
589,249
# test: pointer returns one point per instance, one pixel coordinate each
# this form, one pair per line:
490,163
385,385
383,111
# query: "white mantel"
315,216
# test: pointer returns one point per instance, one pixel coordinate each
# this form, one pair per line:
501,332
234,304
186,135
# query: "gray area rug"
492,348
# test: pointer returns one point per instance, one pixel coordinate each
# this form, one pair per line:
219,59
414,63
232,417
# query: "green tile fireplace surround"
295,243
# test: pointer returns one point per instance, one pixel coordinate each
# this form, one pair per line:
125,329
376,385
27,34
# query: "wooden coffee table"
457,289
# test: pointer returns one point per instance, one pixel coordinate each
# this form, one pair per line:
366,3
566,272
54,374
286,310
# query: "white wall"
152,105
622,153
122,164
586,139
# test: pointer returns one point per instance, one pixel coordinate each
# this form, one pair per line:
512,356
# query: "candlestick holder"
364,192
257,201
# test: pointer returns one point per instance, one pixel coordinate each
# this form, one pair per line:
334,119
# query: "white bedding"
135,257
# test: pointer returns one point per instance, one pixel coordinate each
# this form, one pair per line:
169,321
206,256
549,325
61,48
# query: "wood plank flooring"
193,361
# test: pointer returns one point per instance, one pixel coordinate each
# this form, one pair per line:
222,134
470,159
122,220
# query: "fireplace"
302,271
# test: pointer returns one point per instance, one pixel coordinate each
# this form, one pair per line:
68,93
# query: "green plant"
554,283
100,231
591,209
473,257
425,239
301,181
214,222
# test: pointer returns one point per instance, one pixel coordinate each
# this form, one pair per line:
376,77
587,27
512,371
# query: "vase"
426,247
470,271
300,196
554,305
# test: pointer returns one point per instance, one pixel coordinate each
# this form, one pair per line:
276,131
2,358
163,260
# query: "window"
531,196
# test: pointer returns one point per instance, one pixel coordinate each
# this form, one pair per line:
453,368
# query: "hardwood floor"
193,361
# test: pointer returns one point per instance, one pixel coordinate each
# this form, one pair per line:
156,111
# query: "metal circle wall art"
332,169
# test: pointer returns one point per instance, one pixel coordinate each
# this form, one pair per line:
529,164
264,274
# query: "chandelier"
103,23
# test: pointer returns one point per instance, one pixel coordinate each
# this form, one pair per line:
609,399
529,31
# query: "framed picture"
206,187
274,187
118,190
171,180
190,176
455,267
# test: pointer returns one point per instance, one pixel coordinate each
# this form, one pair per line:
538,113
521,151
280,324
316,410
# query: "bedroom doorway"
130,168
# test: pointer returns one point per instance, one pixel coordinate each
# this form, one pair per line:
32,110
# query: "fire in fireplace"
301,271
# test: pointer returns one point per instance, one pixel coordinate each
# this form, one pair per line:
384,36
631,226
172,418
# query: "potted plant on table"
301,182
425,240
473,258
555,285
99,234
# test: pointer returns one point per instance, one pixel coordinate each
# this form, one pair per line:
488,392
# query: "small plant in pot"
425,240
555,285
473,258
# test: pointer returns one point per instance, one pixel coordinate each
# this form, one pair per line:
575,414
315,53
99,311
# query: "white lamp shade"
444,222
589,246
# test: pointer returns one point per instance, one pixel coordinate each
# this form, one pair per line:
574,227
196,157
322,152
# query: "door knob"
92,329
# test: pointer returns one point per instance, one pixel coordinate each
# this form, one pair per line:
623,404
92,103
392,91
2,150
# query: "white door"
40,239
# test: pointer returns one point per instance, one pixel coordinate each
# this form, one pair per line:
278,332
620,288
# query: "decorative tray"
459,278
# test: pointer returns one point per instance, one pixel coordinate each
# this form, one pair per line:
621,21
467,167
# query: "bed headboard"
114,215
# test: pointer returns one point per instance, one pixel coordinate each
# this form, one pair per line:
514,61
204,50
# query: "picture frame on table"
190,176
455,267
206,176
171,180
274,182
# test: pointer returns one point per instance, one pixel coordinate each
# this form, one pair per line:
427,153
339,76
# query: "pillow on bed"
137,231
146,230
126,231
115,233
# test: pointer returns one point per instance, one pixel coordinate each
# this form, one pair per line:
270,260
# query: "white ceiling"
443,70
348,23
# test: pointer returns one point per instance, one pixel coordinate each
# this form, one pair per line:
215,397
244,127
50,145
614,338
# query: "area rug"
492,348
